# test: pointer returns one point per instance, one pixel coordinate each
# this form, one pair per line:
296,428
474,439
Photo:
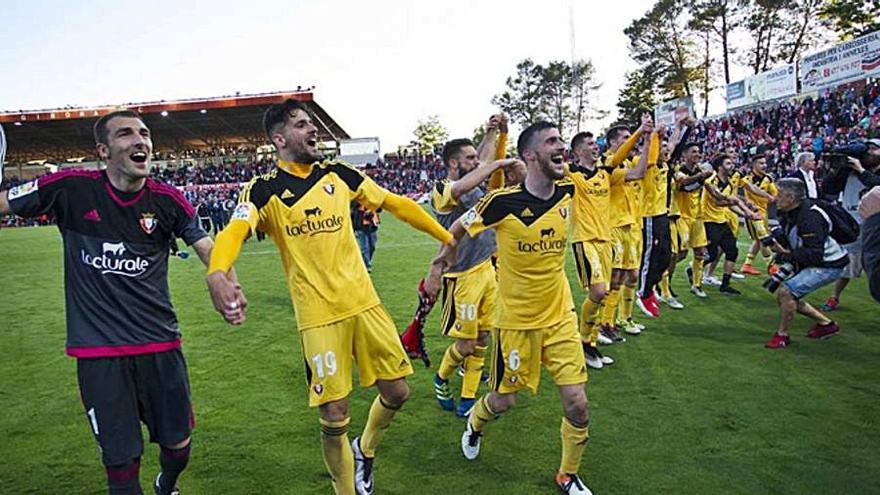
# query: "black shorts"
120,392
721,240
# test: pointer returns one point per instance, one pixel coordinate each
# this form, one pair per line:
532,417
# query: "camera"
776,234
838,157
783,272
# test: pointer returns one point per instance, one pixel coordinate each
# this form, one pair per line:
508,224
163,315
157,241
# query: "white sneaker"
604,340
363,469
697,291
470,441
674,303
571,484
711,280
629,326
594,362
659,296
737,276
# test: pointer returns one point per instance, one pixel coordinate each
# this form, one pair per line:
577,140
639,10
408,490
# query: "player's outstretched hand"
227,297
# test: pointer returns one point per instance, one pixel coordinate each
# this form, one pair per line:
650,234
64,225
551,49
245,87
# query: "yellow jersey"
655,188
309,220
713,212
532,234
592,201
688,197
765,183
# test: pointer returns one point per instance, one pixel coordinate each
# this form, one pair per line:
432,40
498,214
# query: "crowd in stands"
834,117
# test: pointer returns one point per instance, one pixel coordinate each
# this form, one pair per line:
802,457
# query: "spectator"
366,228
869,209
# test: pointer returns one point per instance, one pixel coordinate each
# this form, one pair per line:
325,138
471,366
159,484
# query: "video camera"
838,157
776,235
783,272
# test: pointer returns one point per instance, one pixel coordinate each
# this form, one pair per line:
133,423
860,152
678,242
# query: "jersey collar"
297,169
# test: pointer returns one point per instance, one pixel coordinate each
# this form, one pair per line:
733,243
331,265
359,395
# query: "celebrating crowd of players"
504,226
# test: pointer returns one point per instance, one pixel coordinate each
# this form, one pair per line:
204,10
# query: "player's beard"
548,169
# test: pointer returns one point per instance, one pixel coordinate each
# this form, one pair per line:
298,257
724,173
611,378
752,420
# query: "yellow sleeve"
771,189
501,146
654,149
411,213
620,155
227,245
370,194
618,175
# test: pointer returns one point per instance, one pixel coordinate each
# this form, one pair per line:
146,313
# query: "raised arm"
478,175
410,212
650,150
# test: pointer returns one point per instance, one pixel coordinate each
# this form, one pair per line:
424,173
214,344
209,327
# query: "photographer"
869,209
808,258
855,168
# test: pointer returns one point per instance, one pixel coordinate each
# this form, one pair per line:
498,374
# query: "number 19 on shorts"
324,364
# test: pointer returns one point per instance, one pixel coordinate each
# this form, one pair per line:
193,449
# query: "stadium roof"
193,123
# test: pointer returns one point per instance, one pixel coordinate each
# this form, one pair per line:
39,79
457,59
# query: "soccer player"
469,287
304,206
761,191
536,321
689,178
626,236
720,195
591,232
116,225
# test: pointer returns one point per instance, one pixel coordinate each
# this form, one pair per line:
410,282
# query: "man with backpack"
810,255
851,182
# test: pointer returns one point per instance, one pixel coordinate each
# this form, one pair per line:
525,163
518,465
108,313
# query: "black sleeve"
869,179
871,253
834,182
39,196
186,222
813,230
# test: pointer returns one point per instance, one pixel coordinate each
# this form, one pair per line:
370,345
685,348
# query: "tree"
430,133
782,30
523,100
802,29
637,96
721,18
851,18
660,39
557,91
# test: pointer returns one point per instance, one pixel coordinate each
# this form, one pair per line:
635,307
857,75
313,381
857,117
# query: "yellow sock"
482,414
589,317
698,271
627,298
337,455
750,258
378,421
452,359
664,285
473,370
611,300
574,441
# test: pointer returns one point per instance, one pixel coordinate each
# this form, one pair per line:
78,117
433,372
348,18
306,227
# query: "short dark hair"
278,113
524,143
580,138
614,132
692,144
718,160
452,147
100,130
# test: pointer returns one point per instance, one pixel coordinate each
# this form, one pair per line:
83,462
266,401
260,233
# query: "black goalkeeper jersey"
115,258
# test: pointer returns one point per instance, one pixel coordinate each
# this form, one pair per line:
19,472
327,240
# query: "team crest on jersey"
563,212
329,189
469,218
23,190
319,389
148,222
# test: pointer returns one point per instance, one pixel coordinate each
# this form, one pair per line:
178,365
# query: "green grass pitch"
693,405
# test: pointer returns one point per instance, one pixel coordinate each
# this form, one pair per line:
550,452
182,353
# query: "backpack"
842,226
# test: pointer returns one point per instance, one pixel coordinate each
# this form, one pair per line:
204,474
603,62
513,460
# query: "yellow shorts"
627,247
673,234
370,337
594,261
519,355
733,222
757,228
692,234
469,302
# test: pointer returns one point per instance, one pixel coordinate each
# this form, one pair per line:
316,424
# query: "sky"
377,66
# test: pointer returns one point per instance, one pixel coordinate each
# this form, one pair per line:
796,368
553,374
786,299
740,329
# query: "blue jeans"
367,241
810,279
